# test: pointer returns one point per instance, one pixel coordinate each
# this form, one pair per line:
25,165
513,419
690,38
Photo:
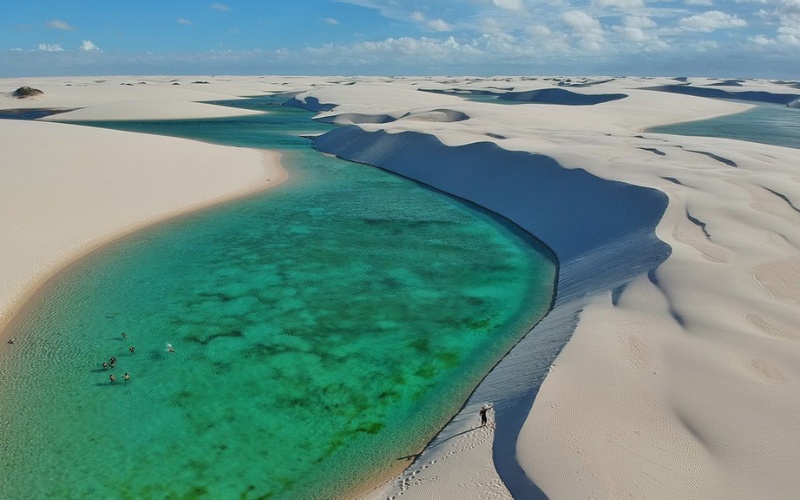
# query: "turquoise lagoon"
765,123
322,331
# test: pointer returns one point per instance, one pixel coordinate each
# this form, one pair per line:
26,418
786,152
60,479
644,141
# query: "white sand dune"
679,378
67,190
148,110
669,365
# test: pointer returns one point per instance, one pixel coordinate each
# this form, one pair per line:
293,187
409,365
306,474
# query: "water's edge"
588,264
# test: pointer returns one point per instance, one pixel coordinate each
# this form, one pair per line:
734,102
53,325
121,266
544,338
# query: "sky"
715,38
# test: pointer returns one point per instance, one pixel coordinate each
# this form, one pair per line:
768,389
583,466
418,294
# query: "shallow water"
766,123
321,332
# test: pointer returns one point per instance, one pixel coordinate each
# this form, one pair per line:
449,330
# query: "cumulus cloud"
587,28
581,21
513,5
220,7
403,49
540,31
710,21
642,22
439,25
618,4
184,22
49,47
761,40
88,46
56,24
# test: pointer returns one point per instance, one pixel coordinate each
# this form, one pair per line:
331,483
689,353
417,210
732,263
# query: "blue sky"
737,38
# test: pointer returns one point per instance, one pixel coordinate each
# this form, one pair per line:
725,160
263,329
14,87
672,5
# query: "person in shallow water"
112,378
132,349
105,365
126,377
483,414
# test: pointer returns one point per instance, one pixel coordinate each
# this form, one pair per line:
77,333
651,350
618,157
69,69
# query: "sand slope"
678,321
679,378
65,190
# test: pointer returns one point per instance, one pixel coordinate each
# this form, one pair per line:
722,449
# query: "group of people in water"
112,363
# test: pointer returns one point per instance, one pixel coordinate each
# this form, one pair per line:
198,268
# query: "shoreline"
532,470
274,174
651,364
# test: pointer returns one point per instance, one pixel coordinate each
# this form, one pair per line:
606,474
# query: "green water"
321,331
766,123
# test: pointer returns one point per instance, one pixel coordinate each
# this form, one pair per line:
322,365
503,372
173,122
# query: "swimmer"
112,378
112,362
126,377
170,348
124,335
105,365
132,349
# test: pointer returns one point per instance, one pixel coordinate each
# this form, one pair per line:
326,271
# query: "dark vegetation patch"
697,222
784,198
23,92
654,151
719,158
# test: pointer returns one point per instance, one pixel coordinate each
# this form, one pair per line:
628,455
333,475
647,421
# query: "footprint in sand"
767,370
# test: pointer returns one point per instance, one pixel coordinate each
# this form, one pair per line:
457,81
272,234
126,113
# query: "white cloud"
59,25
706,45
631,34
439,25
331,21
587,28
704,3
184,22
710,21
789,34
512,5
581,21
642,22
88,46
636,29
404,49
761,40
417,16
220,7
619,4
49,47
540,31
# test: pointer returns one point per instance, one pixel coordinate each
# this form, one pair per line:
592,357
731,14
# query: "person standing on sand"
484,410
